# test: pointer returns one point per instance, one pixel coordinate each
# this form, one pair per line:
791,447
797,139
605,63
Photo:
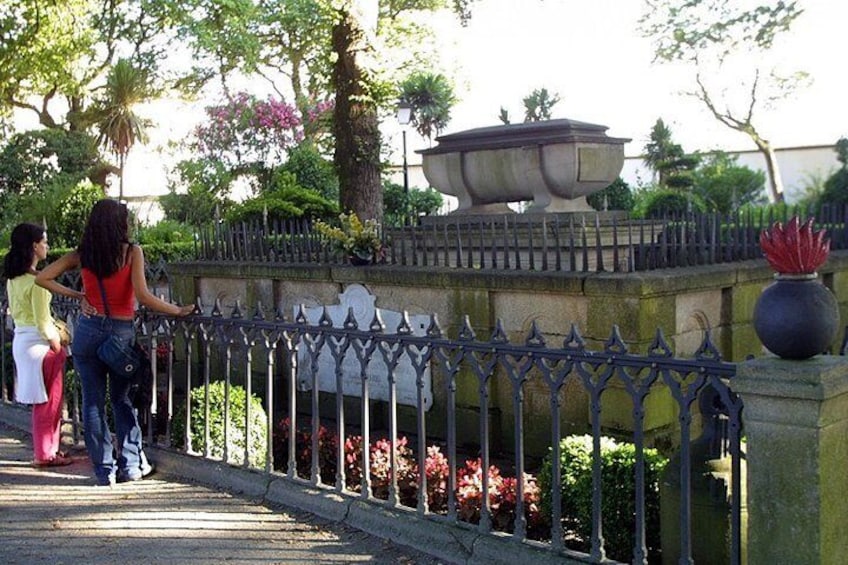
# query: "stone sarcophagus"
554,164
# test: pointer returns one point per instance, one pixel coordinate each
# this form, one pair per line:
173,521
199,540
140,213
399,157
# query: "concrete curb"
444,540
449,542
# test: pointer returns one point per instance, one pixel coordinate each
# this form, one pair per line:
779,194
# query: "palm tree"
119,127
431,97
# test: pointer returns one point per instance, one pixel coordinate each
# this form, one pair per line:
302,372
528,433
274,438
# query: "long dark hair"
19,258
107,230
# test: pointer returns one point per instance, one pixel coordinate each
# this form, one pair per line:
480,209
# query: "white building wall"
799,167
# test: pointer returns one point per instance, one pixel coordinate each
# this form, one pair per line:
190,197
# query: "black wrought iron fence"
270,393
575,242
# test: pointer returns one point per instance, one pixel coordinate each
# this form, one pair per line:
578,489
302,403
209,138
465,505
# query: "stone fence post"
795,420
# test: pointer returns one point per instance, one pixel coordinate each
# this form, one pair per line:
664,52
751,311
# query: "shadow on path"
58,516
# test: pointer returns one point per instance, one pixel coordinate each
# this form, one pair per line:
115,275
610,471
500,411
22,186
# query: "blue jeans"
89,333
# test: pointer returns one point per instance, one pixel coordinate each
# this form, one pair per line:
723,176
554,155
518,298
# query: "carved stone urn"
554,164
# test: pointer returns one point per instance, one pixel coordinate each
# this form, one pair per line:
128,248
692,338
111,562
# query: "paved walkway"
58,516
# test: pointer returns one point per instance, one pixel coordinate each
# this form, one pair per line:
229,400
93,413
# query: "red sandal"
58,460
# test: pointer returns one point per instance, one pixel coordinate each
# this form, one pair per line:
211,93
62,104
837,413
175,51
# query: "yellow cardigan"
29,305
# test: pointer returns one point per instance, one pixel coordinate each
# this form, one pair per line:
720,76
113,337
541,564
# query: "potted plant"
359,241
796,317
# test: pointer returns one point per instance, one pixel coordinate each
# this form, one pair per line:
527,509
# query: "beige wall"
684,303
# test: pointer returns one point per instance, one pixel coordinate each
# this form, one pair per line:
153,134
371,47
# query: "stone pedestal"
796,423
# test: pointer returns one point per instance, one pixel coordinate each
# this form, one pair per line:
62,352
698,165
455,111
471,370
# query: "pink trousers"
47,416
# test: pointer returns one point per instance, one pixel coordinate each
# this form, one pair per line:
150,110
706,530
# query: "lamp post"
404,115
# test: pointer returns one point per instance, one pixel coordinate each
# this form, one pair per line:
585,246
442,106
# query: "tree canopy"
56,59
711,36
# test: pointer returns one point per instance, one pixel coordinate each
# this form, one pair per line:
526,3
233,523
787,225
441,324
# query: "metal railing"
278,361
584,242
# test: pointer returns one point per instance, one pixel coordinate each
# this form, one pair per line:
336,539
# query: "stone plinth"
795,419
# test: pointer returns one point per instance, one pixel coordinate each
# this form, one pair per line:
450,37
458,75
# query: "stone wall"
684,303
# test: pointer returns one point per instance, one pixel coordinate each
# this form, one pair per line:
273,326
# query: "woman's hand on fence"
185,310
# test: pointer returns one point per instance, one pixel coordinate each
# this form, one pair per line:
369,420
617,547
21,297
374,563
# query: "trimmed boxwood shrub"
618,483
236,433
662,203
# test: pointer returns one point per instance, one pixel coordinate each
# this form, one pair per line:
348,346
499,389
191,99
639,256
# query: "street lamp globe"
404,112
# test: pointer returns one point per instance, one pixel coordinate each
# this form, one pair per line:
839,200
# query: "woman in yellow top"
36,348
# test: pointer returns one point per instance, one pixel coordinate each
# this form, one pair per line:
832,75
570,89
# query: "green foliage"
73,212
503,115
236,417
538,105
617,196
811,188
661,202
32,158
287,202
431,96
169,252
712,35
841,149
311,170
674,168
652,201
200,187
43,175
221,37
682,32
166,231
836,186
724,186
56,51
618,472
398,205
119,128
352,236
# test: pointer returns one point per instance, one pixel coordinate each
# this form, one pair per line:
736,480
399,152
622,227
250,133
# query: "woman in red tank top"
106,254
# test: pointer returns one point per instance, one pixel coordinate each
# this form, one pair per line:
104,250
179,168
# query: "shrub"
398,205
836,186
469,492
502,499
73,210
197,189
725,186
381,474
236,424
617,196
282,204
618,472
662,202
437,468
311,170
327,444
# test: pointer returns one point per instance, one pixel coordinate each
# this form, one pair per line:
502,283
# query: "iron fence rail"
587,242
260,353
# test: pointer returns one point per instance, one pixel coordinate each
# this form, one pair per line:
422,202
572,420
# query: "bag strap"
103,295
127,259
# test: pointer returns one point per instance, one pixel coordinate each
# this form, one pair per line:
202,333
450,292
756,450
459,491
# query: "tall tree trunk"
122,158
355,123
775,180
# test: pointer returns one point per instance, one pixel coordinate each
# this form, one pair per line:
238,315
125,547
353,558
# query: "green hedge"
618,472
257,455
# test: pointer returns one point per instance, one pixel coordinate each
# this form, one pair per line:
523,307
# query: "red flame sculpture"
795,249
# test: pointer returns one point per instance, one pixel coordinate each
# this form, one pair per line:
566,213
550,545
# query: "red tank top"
119,292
